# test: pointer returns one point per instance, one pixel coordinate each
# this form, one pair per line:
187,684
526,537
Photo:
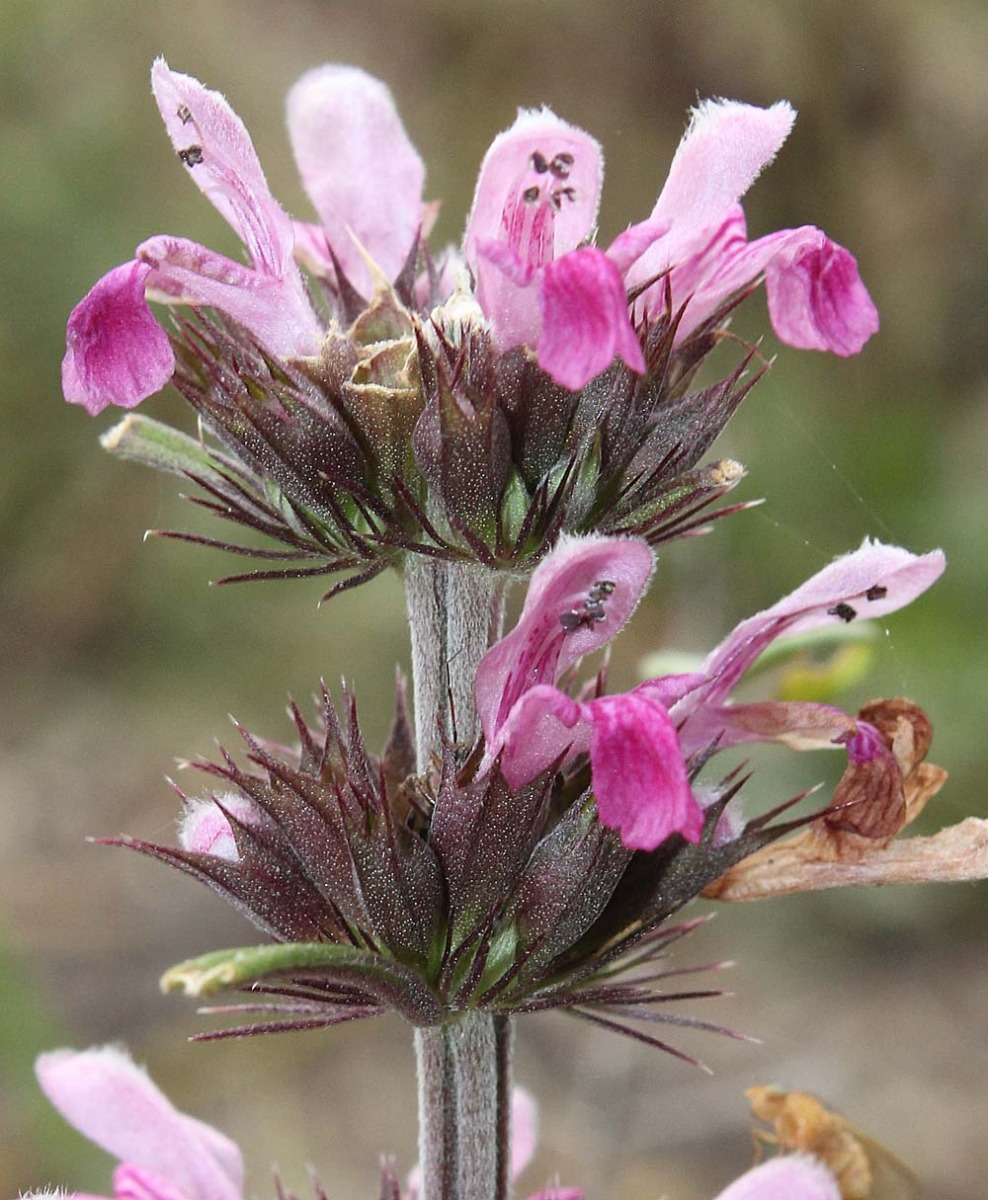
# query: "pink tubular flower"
536,204
639,742
163,1154
539,282
116,353
791,1177
578,599
361,172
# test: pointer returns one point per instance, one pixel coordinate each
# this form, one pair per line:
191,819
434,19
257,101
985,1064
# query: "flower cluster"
528,871
471,405
522,405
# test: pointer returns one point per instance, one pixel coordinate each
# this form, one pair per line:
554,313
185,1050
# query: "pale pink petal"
630,245
275,310
697,266
724,150
113,1102
116,353
537,190
543,726
361,172
312,249
815,295
136,1183
639,776
524,1130
871,581
561,621
788,1177
204,827
585,321
215,147
558,1193
801,725
510,295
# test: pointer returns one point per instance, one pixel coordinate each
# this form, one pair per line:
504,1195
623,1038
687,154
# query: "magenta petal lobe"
639,775
116,352
585,321
816,299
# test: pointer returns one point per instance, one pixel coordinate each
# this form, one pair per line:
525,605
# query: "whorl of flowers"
471,405
534,869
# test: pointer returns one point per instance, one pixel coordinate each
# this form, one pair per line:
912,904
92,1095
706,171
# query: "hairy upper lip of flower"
473,408
534,209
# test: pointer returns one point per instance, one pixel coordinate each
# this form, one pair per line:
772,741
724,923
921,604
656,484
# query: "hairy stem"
464,1085
454,614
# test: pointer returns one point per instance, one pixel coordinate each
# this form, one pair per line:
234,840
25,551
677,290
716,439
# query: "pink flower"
791,1177
578,599
361,172
639,743
539,281
536,206
163,1154
116,353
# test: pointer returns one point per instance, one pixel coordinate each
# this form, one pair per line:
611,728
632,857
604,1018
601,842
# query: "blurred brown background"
117,657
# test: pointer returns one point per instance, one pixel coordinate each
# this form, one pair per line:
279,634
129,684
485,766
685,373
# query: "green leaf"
154,444
221,969
390,983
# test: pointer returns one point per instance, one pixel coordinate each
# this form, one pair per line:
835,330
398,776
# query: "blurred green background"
117,657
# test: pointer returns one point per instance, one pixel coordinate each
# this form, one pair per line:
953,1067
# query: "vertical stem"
454,613
464,1084
464,1065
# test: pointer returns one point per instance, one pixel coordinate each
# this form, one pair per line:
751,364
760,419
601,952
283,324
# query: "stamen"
184,114
539,162
530,195
844,611
592,610
192,156
876,592
561,165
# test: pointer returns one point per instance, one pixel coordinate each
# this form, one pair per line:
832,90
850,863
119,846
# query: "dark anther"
539,162
876,592
184,114
842,610
592,610
560,194
192,156
560,165
530,195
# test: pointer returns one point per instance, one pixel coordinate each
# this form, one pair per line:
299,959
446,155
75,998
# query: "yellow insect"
863,1168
